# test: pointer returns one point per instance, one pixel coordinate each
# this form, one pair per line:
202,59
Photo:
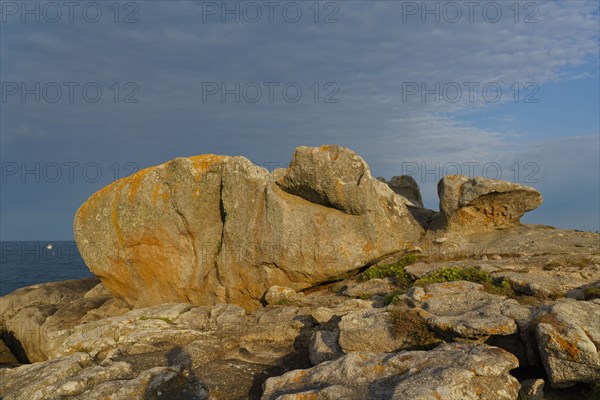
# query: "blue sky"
364,61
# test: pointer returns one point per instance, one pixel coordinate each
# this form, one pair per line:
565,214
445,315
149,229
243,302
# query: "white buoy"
49,246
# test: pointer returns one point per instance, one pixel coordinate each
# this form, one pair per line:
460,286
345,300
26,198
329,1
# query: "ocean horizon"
26,263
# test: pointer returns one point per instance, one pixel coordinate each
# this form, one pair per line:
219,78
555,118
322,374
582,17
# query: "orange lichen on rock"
368,247
203,162
135,181
92,202
569,346
379,368
300,376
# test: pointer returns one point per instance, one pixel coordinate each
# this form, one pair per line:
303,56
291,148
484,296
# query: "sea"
28,263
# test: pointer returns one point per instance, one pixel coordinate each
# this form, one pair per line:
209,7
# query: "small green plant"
395,270
501,288
451,274
392,297
591,293
528,300
283,302
165,319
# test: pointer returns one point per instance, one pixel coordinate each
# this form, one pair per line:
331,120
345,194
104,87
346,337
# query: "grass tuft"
451,274
395,270
393,297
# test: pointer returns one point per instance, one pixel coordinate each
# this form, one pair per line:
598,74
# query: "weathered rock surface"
6,356
376,330
405,186
568,337
56,293
324,346
450,372
532,389
463,309
369,288
481,203
210,229
280,295
77,376
37,319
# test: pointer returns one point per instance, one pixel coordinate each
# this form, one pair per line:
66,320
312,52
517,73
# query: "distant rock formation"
209,229
481,203
406,186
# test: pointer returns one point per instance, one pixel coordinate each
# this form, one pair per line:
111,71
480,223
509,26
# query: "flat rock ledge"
450,371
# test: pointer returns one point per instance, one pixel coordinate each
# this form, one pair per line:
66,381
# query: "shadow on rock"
298,359
15,346
183,386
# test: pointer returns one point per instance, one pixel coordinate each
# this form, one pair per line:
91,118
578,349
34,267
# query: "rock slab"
450,372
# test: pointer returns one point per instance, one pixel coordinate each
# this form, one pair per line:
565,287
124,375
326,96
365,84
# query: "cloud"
369,55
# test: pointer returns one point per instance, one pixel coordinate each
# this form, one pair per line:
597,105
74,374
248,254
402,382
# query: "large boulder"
209,229
481,203
568,338
450,372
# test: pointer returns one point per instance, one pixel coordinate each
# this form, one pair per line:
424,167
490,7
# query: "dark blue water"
27,263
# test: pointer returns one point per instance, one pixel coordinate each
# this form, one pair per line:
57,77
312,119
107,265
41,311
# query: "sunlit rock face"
209,229
479,204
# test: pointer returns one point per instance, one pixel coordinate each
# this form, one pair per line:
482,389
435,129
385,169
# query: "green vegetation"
591,293
165,319
501,288
451,274
393,297
395,270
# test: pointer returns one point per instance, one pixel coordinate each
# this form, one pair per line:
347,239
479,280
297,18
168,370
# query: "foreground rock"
481,203
568,337
379,330
449,372
24,313
79,377
211,229
463,309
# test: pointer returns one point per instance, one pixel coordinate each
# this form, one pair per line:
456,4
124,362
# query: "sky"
93,91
